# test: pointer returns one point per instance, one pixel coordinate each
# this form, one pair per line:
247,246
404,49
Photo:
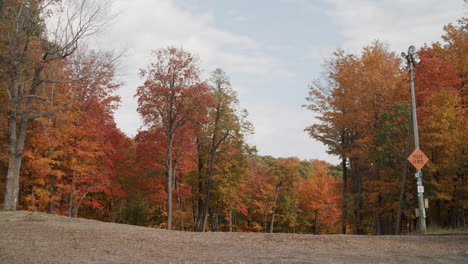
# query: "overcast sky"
271,50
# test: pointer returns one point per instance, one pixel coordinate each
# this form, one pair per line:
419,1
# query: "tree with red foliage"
172,97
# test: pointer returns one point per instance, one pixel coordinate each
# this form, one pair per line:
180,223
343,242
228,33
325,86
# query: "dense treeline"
189,167
363,102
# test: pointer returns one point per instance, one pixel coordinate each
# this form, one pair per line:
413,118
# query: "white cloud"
280,132
142,26
397,22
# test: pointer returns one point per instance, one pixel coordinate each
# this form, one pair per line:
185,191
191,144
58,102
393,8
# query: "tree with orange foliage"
230,184
334,101
319,195
226,125
28,53
350,101
172,97
260,188
286,173
441,82
66,158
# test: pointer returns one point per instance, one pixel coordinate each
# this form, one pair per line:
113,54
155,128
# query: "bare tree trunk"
234,220
215,226
177,183
208,187
378,223
70,204
230,221
316,222
462,202
181,209
194,212
169,180
200,214
15,155
199,210
74,211
12,183
214,146
216,140
459,200
403,178
50,207
358,195
360,202
344,194
275,199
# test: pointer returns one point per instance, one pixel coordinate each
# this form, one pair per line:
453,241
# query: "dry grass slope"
30,237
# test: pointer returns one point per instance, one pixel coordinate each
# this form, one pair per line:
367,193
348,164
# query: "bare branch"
75,20
64,81
32,96
222,139
44,114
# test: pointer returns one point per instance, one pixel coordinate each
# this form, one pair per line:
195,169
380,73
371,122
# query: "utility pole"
418,159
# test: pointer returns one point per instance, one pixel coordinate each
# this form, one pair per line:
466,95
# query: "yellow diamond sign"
418,159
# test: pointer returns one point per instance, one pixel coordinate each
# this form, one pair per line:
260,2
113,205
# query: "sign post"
417,158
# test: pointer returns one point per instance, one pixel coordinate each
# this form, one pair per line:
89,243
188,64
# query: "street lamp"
412,59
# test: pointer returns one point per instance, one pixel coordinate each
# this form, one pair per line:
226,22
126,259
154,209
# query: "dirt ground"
27,237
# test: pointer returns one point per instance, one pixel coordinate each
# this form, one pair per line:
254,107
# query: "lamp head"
416,59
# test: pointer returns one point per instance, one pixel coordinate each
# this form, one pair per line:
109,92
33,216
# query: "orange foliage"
320,195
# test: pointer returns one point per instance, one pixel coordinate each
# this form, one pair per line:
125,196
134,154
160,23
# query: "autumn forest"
190,166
